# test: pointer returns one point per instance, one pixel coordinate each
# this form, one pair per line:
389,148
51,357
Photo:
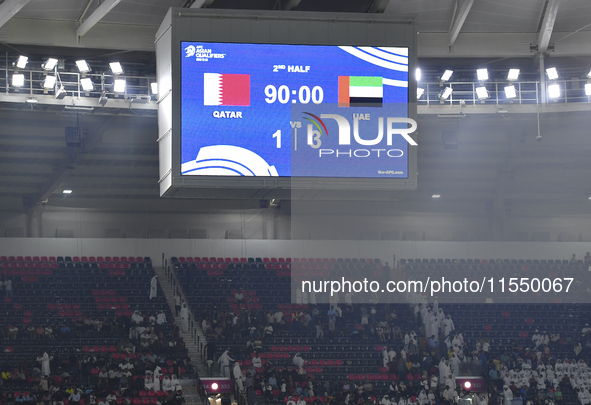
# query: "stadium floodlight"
60,94
552,73
49,64
554,91
103,98
49,82
154,87
418,74
446,75
513,74
588,89
482,93
116,68
510,91
18,80
87,84
420,92
82,66
119,86
21,63
482,74
436,196
445,93
67,191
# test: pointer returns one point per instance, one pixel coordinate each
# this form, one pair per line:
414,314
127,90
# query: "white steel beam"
459,21
547,25
9,8
96,16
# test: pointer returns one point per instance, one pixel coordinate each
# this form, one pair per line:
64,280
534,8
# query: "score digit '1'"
277,135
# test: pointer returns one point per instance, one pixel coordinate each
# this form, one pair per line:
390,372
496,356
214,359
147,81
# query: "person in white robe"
443,371
385,400
224,361
149,382
136,317
157,375
154,287
45,359
166,385
385,356
507,393
391,354
175,383
185,317
448,326
423,398
238,376
161,318
298,360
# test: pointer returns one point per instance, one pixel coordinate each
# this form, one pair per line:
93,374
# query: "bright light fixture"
418,74
554,91
119,86
32,100
436,196
552,73
87,84
154,87
67,191
513,74
467,385
49,82
589,74
446,75
49,64
444,95
510,91
116,68
18,80
21,63
482,74
82,66
588,89
482,93
420,92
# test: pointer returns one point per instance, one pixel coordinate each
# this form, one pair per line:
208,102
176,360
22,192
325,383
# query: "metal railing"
571,91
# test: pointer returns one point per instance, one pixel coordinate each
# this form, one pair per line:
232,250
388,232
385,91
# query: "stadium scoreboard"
278,101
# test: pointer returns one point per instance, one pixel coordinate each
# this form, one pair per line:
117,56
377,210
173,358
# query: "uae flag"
360,91
226,89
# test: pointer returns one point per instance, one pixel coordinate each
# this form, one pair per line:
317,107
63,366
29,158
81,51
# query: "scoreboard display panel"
256,109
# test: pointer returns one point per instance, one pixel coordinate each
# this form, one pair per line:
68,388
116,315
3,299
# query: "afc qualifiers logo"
189,51
315,132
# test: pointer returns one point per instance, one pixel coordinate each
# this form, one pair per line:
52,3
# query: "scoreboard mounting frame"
183,25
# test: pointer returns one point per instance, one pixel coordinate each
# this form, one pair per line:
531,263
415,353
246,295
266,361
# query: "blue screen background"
261,120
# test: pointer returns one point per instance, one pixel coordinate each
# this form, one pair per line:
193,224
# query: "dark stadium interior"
114,292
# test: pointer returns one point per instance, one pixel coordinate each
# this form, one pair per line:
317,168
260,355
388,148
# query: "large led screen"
238,103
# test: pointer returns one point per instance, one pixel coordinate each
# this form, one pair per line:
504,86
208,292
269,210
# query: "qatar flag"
226,89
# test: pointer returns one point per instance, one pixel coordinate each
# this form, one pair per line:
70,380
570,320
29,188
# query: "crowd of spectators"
425,364
146,366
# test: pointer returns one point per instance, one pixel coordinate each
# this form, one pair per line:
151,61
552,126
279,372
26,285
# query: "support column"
542,79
